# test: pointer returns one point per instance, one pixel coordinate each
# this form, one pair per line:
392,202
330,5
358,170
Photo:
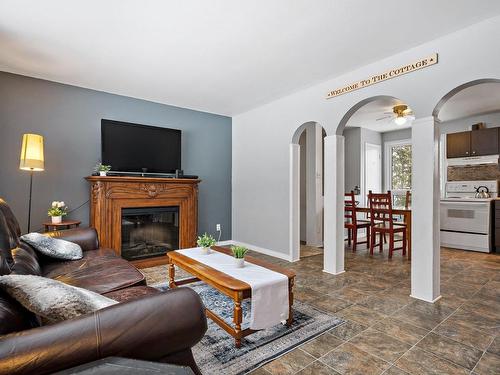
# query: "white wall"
261,137
352,151
491,120
355,140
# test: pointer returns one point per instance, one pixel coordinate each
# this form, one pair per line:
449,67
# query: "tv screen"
132,147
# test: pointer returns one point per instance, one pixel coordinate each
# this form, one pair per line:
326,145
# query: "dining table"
402,211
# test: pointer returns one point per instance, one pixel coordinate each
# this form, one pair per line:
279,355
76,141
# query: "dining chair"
381,217
353,224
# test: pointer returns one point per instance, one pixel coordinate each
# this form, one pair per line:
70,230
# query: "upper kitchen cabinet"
484,142
472,143
458,145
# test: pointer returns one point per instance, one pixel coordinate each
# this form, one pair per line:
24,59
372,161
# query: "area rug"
216,354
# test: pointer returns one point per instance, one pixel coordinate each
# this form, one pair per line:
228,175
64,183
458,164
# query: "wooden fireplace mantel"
109,194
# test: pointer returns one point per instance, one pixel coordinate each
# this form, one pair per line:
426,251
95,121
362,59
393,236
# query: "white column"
294,226
334,205
425,272
314,180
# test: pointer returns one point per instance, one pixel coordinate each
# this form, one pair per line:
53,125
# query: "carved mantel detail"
109,194
96,188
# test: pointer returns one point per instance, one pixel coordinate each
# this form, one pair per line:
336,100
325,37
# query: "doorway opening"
307,170
377,159
468,122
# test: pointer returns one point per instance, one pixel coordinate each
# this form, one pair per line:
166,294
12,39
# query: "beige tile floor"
388,332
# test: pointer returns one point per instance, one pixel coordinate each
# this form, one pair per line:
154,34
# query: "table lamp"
31,160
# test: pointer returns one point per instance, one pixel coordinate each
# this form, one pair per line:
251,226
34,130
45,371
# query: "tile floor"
388,332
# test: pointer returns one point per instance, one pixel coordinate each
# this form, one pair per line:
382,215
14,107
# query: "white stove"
466,221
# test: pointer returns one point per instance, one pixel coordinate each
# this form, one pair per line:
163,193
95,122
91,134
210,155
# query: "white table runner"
270,304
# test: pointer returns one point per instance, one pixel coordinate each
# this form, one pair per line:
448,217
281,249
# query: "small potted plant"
239,255
205,242
56,211
102,169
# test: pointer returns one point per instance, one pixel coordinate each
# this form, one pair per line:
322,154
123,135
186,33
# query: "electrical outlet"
217,227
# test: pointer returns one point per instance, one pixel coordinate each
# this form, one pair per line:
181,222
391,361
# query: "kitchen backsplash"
480,172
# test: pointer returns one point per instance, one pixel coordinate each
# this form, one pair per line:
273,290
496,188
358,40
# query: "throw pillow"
53,247
53,300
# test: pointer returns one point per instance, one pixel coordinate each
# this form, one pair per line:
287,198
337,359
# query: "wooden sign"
408,68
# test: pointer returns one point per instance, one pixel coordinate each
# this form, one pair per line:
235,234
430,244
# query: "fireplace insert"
149,231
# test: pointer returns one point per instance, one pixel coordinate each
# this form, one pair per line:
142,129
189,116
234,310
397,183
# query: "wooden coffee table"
233,288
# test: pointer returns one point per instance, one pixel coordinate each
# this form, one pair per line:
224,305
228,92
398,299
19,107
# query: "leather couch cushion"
85,237
9,231
13,316
26,261
100,271
131,293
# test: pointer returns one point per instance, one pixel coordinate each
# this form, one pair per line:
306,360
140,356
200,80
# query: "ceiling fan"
400,114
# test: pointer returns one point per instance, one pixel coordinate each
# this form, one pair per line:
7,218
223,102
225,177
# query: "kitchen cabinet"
484,142
473,143
458,145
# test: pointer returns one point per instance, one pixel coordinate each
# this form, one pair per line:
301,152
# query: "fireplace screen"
149,231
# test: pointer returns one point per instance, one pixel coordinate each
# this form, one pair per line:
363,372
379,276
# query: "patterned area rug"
216,354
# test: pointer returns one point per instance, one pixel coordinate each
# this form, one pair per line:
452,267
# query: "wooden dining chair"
353,224
381,217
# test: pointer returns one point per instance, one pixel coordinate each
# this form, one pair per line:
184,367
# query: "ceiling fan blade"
383,118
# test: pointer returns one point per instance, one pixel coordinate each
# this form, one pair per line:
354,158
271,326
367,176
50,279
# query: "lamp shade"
32,153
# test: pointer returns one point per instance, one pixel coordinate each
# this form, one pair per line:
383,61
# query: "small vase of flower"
206,242
56,211
102,169
239,255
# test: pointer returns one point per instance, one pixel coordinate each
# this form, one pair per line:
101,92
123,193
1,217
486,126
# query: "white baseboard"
425,300
225,243
258,249
333,273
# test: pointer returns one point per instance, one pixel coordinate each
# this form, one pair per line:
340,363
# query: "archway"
429,189
382,106
306,190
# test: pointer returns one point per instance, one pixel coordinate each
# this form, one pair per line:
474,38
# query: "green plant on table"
239,251
57,209
102,167
206,240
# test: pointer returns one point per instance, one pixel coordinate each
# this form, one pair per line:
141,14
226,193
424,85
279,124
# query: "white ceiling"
220,56
366,117
475,100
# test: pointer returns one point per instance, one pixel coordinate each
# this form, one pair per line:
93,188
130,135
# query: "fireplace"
110,195
149,231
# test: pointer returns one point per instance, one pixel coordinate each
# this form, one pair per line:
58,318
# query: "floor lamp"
31,160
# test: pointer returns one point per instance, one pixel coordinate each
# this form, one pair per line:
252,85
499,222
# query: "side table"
49,226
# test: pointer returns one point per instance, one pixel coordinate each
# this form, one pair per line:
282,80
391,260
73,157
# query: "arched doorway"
429,157
375,116
306,190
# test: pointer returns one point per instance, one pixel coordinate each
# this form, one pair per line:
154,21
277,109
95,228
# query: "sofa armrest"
85,237
149,328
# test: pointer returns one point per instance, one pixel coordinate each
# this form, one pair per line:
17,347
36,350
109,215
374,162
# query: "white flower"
61,204
54,204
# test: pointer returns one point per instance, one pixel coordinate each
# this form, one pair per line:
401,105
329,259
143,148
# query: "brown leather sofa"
146,324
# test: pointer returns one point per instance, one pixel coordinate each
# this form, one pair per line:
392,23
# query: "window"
398,169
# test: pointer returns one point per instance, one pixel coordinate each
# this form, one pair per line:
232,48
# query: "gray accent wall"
69,118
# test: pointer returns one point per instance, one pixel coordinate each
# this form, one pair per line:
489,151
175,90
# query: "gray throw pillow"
53,247
52,300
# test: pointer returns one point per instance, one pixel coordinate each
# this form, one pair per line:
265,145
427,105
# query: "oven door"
467,217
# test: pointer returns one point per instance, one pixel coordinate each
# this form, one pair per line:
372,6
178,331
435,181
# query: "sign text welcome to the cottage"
408,68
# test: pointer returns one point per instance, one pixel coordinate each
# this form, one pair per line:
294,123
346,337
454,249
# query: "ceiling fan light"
400,120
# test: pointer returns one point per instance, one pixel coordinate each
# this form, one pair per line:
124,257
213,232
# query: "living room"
186,166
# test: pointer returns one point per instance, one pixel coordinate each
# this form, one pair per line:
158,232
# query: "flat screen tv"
131,147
